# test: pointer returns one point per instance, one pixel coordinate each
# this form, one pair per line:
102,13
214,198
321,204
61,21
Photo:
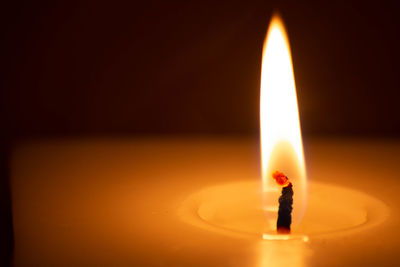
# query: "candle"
116,202
199,202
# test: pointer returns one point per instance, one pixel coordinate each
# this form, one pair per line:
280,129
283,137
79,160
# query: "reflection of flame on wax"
275,254
281,144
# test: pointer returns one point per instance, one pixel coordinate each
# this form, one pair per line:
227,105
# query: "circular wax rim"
236,209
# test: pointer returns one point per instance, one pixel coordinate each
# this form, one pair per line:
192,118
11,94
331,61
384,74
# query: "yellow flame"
281,143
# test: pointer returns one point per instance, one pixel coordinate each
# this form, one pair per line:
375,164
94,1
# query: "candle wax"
117,202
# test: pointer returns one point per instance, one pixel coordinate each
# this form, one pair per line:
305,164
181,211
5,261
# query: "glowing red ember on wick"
285,203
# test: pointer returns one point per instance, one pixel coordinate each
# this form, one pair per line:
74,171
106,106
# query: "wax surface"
116,202
332,211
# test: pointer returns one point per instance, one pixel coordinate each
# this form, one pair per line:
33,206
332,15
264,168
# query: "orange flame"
281,143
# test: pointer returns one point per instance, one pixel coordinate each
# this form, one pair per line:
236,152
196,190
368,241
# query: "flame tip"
276,13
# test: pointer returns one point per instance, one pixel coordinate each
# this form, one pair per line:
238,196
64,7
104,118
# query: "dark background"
190,67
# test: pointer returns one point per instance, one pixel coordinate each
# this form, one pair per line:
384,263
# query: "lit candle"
199,202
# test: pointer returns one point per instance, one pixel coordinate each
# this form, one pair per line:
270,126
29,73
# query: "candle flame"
281,143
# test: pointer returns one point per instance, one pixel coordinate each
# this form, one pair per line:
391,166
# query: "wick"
285,203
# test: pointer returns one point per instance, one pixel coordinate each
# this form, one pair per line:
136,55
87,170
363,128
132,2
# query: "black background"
190,67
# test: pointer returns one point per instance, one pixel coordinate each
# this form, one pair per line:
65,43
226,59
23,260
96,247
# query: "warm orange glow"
281,143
